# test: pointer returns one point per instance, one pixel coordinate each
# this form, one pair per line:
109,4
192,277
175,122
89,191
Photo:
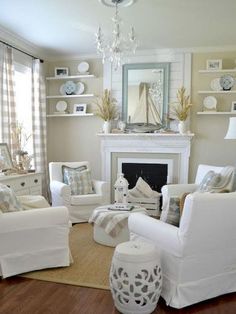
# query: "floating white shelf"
70,96
229,113
80,76
218,71
217,92
69,115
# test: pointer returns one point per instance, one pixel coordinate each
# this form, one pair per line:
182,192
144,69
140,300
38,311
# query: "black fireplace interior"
154,174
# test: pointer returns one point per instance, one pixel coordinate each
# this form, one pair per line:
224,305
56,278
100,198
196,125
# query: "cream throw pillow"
142,189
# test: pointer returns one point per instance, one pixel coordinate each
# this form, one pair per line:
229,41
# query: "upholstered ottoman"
111,227
135,277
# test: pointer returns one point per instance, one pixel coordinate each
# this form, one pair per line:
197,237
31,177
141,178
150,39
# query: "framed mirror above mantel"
145,92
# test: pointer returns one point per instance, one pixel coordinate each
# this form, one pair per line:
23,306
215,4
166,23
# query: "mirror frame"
139,66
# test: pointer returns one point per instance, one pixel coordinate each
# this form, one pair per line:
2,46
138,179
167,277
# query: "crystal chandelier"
114,50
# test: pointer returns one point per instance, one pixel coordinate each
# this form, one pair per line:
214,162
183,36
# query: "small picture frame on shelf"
233,106
214,65
61,72
80,108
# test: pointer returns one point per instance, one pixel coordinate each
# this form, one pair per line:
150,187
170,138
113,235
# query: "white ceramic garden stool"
135,277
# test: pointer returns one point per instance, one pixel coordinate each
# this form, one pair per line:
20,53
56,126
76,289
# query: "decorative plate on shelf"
227,82
209,103
61,106
70,87
80,88
215,84
83,67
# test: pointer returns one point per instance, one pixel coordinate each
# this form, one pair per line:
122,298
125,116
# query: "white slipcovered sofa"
198,258
34,239
80,206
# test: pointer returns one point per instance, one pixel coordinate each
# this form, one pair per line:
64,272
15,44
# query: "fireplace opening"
154,174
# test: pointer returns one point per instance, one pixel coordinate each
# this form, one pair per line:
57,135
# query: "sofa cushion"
86,199
32,201
8,200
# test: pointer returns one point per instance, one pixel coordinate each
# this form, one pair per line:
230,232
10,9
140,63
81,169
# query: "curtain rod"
26,53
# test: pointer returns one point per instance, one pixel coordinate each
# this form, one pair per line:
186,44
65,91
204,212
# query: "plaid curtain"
7,97
39,123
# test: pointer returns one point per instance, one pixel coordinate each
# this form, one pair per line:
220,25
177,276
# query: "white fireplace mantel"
146,143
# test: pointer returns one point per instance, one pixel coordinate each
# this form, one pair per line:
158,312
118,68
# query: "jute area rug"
91,262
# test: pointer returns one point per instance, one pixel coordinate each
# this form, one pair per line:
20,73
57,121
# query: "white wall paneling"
180,72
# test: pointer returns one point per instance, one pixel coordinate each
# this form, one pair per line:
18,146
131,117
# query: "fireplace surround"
171,149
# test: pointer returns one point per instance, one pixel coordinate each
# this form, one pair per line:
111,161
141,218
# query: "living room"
190,43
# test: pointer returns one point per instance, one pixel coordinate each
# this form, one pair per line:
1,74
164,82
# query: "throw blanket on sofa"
112,221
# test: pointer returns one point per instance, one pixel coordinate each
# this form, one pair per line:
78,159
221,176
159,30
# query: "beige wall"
208,145
74,138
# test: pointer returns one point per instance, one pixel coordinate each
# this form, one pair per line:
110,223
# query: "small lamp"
231,133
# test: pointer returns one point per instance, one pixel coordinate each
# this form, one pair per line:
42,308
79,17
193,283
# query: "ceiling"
66,27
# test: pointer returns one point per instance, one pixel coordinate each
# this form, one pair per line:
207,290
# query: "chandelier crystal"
114,50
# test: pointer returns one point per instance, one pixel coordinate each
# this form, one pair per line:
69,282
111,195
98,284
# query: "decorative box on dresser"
24,184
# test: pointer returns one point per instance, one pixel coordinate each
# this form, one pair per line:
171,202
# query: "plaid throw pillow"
173,215
67,171
80,182
8,200
210,180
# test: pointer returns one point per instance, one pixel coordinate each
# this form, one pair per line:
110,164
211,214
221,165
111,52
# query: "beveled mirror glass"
145,94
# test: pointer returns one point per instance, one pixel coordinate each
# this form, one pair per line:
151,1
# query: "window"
23,93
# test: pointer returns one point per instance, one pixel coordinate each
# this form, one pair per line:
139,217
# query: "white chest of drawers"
24,184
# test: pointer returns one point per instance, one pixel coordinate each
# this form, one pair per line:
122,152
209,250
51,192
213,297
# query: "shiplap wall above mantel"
180,72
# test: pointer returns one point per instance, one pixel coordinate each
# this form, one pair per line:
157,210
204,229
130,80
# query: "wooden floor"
27,296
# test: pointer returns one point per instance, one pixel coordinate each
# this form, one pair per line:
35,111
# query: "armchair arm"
101,187
33,219
175,190
163,235
60,188
61,192
178,189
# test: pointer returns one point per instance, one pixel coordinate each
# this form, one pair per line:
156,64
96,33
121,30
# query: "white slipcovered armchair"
198,257
34,239
177,190
80,206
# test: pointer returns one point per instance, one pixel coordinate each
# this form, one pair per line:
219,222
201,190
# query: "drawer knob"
8,186
22,184
36,181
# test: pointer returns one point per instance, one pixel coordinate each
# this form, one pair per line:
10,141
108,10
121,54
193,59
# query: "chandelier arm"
115,49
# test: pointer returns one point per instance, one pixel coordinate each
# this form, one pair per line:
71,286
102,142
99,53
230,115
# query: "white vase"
182,126
107,127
